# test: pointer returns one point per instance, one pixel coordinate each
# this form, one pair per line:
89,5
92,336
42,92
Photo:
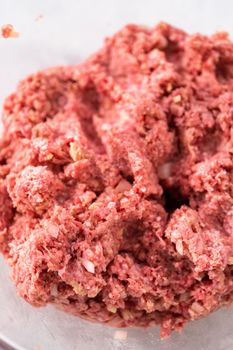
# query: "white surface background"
68,32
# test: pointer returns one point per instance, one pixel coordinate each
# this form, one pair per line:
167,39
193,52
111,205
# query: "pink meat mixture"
116,195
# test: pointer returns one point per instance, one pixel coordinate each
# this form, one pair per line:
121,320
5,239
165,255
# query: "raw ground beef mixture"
116,195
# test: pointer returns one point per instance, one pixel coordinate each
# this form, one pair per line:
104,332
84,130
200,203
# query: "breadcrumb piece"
120,335
177,98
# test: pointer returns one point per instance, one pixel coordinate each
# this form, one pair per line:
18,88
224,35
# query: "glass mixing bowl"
65,32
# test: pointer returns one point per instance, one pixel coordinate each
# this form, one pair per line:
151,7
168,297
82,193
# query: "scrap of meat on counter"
116,198
7,31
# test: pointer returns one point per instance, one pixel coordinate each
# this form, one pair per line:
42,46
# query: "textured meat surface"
116,197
